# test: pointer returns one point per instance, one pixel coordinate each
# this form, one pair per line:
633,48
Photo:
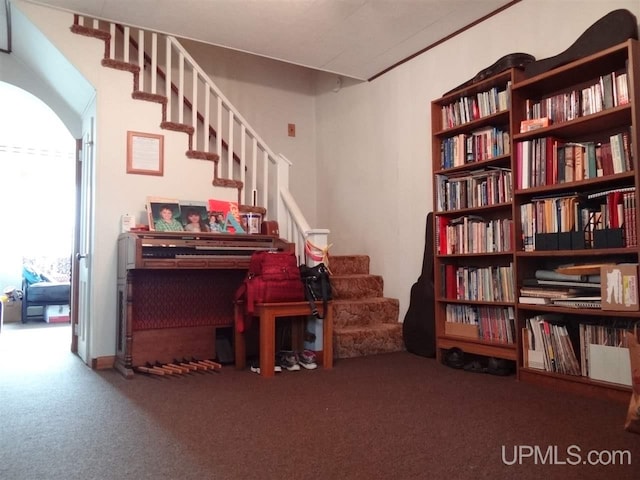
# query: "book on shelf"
553,275
549,292
534,300
533,357
549,337
533,124
578,302
604,193
534,282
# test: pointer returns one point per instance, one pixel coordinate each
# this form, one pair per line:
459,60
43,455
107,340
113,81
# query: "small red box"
57,314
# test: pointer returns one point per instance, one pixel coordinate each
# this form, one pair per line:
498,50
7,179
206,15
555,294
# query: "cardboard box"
57,314
619,289
12,311
461,330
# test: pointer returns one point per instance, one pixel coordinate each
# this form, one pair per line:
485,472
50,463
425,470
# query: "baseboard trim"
103,363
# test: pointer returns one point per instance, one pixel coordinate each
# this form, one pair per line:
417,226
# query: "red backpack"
272,277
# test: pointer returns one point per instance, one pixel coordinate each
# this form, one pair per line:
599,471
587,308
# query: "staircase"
365,322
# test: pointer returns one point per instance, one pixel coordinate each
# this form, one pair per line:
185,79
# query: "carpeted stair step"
357,285
364,312
373,340
364,321
349,264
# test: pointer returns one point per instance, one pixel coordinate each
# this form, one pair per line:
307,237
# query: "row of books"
550,215
607,91
495,324
596,350
469,108
486,284
480,145
550,161
585,213
473,234
614,287
562,289
547,346
478,188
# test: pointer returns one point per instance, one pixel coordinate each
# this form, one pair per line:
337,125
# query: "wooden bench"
267,314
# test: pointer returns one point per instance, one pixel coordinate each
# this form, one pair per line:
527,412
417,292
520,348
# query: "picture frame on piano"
251,222
164,214
195,216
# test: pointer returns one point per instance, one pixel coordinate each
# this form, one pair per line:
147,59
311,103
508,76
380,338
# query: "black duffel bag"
317,286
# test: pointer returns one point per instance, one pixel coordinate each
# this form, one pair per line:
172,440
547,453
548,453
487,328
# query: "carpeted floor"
393,416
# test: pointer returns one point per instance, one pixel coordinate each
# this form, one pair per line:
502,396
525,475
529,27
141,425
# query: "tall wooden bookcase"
590,102
473,215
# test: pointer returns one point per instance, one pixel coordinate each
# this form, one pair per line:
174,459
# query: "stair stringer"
165,124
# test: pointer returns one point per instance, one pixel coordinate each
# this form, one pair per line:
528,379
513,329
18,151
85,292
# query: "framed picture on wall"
145,153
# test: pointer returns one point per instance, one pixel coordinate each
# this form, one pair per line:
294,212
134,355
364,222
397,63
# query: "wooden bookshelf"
472,158
539,173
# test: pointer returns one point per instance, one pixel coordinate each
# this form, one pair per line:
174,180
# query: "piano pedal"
149,370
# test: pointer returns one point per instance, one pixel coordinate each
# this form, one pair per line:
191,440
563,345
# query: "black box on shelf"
546,241
608,238
560,241
564,241
577,240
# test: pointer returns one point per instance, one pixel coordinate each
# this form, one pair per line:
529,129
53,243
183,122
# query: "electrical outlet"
292,129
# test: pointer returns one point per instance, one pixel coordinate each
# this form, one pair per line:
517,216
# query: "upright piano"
175,289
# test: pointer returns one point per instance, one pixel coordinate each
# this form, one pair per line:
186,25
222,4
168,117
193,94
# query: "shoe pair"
255,368
307,359
288,359
292,361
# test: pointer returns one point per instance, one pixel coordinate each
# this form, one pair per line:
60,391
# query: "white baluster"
154,62
168,79
141,59
180,87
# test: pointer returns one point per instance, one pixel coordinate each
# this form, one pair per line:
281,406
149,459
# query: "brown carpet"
392,416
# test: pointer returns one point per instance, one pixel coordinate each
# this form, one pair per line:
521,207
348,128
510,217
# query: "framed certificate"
145,153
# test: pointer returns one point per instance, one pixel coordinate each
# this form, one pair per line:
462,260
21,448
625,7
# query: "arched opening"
37,191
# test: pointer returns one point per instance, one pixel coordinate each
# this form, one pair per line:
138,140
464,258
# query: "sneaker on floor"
288,360
307,359
255,368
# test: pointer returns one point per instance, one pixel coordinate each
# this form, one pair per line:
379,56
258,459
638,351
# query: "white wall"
373,139
270,95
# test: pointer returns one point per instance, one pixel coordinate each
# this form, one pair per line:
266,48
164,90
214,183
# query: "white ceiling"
353,38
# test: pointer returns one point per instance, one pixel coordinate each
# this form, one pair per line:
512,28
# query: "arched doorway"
37,191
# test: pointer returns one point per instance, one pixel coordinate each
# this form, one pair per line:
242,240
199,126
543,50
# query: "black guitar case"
615,27
419,327
512,60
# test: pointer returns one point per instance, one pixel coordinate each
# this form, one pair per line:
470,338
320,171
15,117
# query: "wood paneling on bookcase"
495,182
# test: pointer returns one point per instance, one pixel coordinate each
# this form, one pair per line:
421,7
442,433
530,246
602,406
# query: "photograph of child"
166,217
196,219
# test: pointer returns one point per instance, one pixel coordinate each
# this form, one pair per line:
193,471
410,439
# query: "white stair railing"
193,99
